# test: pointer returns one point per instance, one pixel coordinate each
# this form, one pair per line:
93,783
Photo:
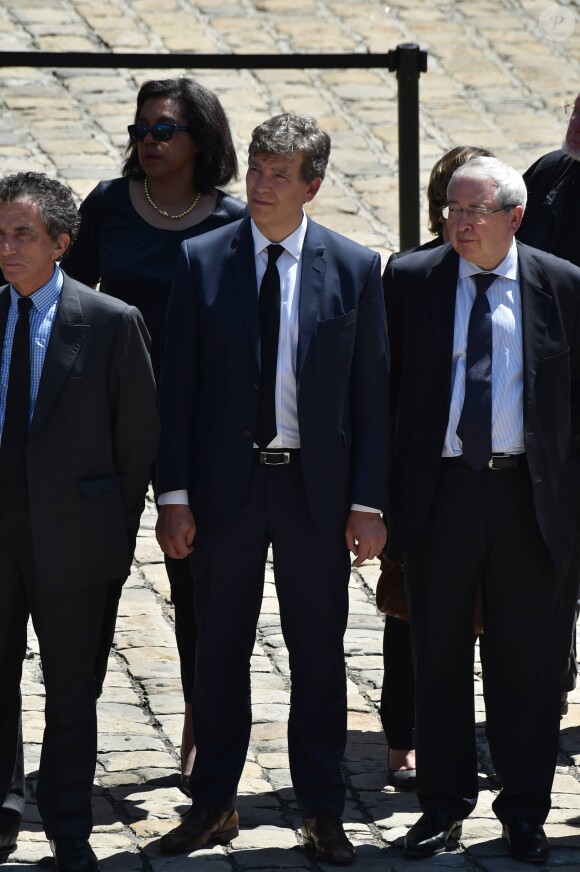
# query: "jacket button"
247,433
256,387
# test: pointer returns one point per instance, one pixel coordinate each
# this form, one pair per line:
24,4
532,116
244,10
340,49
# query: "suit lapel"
66,339
244,275
311,289
4,307
441,287
536,306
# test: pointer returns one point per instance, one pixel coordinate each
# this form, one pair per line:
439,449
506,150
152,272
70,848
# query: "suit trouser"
311,571
398,692
67,625
482,529
570,609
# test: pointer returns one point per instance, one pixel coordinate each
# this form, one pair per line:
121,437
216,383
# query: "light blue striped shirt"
507,412
42,314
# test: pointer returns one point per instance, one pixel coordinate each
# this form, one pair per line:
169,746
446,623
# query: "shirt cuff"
174,498
356,508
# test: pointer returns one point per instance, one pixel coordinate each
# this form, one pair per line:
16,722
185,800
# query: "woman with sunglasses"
180,151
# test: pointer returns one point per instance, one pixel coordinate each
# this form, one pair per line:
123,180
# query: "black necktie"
269,329
474,428
15,429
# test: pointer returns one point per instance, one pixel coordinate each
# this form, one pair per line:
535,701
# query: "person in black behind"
552,222
398,691
180,151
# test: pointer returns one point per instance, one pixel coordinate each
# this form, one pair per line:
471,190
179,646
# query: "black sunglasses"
159,132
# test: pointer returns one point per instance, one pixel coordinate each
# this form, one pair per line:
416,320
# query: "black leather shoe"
73,855
8,843
527,840
432,834
201,827
325,835
403,779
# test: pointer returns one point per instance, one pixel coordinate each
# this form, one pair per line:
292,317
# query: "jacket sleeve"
134,413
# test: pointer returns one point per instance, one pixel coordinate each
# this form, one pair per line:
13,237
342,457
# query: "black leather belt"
497,462
276,456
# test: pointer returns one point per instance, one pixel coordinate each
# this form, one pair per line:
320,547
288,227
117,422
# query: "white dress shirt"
290,269
507,412
41,320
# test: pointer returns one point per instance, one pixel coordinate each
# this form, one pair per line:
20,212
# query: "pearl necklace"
163,212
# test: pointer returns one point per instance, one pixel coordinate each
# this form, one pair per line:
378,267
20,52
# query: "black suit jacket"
420,294
210,376
92,439
552,217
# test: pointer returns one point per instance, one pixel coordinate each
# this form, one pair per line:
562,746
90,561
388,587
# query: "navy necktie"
15,429
269,302
474,428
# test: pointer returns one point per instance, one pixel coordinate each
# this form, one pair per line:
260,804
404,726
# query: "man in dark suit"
274,407
78,431
552,222
485,343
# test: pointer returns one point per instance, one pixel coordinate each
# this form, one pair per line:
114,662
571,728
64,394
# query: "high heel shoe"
402,779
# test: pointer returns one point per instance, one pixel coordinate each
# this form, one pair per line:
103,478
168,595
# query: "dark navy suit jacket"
210,377
420,295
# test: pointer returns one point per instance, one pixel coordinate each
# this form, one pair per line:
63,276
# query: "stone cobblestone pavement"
499,73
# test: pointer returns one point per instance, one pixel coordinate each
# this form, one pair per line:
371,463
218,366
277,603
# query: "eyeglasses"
476,213
160,132
572,110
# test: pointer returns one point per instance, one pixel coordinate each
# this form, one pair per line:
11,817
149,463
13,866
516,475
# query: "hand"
365,535
175,530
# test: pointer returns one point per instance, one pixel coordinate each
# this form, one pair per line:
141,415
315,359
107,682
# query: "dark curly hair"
289,133
215,161
54,200
439,179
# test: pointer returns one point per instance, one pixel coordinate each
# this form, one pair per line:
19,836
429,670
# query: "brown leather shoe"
325,834
201,827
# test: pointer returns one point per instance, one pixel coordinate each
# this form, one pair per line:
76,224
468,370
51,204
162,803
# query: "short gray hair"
289,133
511,188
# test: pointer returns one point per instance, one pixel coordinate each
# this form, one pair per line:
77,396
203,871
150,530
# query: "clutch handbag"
391,599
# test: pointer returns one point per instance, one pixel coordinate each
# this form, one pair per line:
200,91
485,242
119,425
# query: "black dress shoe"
201,827
73,855
403,779
325,835
432,834
8,843
527,840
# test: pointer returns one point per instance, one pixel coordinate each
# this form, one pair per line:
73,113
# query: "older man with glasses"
485,345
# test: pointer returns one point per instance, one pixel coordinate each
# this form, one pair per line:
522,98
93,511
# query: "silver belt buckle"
274,458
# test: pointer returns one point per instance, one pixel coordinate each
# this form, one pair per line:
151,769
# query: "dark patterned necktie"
474,428
269,329
15,429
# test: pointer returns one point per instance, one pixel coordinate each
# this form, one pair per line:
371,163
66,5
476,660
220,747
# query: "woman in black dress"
180,150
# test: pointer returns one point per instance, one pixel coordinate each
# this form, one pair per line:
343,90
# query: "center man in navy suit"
275,416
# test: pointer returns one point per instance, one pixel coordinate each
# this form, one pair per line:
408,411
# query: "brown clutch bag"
391,599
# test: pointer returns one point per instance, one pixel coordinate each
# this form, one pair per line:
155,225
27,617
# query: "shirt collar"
293,243
508,268
45,296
